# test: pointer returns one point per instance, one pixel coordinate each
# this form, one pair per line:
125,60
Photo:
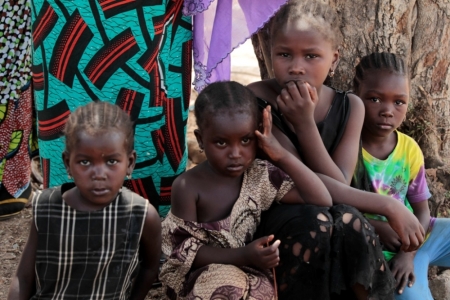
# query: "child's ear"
336,58
66,160
131,162
198,136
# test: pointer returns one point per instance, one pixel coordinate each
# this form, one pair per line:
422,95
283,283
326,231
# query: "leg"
435,252
304,232
217,281
357,260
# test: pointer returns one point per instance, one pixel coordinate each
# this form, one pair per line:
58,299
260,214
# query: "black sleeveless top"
331,130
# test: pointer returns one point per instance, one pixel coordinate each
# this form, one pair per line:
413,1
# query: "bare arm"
150,252
23,284
402,221
422,212
297,103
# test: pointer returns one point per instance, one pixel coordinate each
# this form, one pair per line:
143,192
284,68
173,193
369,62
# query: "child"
395,165
92,239
322,126
216,206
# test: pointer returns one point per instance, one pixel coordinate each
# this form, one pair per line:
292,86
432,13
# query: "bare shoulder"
185,191
355,103
152,218
189,180
264,89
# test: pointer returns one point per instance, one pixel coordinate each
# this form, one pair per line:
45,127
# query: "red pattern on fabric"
17,169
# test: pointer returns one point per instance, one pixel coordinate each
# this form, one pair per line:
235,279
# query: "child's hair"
378,61
95,119
225,95
315,14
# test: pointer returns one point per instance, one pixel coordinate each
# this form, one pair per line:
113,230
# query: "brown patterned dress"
262,184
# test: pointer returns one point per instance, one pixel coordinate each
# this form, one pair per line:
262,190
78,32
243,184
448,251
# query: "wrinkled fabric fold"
219,28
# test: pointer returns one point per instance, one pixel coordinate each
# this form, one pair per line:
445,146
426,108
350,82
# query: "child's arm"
309,188
402,264
150,253
402,221
23,284
297,103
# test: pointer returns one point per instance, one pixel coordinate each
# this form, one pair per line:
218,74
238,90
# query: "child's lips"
235,167
384,125
100,191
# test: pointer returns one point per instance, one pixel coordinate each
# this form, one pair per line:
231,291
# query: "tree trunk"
420,32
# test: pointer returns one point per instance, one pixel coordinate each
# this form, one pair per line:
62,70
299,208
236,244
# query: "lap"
218,281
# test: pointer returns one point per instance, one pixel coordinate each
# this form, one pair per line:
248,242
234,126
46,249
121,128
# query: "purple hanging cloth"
220,26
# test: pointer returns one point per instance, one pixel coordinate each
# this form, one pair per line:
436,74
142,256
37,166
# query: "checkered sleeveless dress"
87,255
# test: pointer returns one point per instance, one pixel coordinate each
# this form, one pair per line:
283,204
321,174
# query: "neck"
379,146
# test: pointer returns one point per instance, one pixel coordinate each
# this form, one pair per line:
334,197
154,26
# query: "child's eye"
220,143
399,102
311,56
283,54
112,161
245,141
84,162
374,99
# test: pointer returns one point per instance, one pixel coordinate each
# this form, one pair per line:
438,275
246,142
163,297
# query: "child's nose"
387,113
235,152
98,173
297,67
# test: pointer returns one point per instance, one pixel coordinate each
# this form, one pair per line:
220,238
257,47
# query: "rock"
8,256
440,286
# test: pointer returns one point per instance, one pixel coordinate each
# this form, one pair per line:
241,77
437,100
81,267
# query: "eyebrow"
378,93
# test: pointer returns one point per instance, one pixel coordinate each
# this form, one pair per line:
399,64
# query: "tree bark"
420,32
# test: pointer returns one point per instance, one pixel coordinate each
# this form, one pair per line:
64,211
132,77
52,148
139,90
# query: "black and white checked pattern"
87,255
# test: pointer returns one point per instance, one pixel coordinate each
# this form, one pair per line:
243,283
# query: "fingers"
267,120
401,283
412,279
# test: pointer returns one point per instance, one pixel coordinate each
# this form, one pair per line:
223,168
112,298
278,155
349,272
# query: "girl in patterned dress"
216,206
92,239
395,167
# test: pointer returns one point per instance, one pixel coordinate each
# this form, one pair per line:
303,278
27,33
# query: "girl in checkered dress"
92,239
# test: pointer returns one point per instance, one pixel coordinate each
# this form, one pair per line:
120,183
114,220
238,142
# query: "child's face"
98,165
229,142
301,53
385,95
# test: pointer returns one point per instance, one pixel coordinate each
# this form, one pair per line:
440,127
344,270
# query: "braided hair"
314,13
378,61
229,96
97,118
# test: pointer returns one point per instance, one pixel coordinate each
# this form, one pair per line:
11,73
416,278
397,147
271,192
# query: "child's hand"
266,141
389,238
261,255
402,267
407,226
297,102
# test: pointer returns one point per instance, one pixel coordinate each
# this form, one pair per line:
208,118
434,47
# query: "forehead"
230,123
304,32
385,81
106,142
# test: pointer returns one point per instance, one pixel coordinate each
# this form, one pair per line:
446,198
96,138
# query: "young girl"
395,165
216,206
92,239
322,126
